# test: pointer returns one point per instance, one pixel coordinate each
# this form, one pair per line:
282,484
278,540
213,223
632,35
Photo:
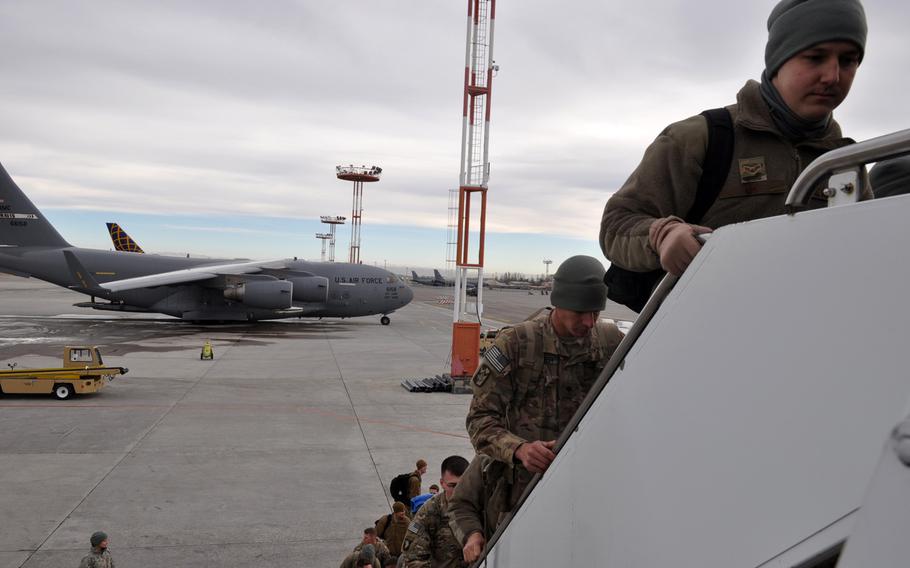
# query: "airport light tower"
358,175
473,178
323,237
332,221
547,262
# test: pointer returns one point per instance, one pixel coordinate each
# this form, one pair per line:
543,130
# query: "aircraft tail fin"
122,241
414,275
83,277
437,275
21,224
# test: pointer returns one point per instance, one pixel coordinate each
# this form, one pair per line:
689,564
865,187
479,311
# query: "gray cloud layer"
246,108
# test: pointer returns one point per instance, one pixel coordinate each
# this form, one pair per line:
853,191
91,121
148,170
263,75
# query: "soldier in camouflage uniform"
534,377
430,542
380,552
99,557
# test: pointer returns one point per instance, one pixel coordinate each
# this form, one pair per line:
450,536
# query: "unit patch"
481,376
752,169
496,359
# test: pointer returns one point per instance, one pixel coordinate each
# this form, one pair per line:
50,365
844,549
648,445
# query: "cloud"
234,110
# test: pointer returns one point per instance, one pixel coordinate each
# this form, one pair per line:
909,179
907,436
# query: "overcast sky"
215,127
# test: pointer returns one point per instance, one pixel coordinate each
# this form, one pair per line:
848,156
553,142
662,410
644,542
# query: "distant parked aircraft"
436,280
192,289
425,280
442,279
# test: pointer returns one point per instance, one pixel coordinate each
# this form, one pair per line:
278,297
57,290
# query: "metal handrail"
616,362
843,159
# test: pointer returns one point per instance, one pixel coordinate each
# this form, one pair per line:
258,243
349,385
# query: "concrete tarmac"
504,306
277,453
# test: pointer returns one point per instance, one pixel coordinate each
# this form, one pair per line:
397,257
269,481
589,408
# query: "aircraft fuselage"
352,289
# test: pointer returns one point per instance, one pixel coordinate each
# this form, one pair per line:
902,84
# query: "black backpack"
400,488
633,289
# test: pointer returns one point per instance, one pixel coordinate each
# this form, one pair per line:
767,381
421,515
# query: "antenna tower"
332,221
473,178
323,237
358,175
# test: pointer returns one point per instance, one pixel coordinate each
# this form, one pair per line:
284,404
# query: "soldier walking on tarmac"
99,557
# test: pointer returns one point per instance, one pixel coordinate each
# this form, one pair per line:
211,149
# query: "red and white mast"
475,173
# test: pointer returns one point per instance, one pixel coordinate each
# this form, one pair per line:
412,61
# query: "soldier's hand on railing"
536,456
473,548
676,244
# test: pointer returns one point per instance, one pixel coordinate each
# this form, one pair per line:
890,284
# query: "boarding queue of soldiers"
382,543
552,359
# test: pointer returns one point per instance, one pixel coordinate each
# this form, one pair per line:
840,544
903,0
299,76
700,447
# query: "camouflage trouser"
506,484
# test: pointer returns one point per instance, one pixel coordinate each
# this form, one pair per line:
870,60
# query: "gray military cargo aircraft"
192,289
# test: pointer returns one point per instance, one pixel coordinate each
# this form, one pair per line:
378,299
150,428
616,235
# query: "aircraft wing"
194,274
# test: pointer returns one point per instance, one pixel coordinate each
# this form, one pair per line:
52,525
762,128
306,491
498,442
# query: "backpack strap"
716,166
632,288
385,527
530,333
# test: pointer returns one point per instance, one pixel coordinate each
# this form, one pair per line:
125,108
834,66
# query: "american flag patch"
414,527
496,358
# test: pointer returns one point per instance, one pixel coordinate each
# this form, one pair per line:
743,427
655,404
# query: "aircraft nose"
406,295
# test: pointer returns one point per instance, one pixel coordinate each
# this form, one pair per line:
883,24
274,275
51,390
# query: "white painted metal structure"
475,152
323,237
744,425
452,232
332,221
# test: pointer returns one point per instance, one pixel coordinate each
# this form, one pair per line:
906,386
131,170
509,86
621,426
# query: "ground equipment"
83,371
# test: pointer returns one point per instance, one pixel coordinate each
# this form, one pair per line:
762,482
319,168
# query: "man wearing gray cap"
776,128
536,374
99,557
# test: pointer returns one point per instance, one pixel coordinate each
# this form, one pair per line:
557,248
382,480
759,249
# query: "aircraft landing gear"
384,320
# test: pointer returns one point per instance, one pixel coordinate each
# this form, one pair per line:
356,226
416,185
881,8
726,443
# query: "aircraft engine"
311,288
268,294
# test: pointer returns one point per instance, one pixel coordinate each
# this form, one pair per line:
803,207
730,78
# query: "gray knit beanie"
98,538
891,177
368,552
578,285
795,25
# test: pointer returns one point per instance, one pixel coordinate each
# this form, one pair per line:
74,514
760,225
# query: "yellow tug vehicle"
83,372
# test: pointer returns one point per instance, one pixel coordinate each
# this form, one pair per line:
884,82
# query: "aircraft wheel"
63,391
384,320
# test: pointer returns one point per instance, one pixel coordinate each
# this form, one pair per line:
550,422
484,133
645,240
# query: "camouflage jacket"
530,383
430,542
663,186
479,503
97,560
383,555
